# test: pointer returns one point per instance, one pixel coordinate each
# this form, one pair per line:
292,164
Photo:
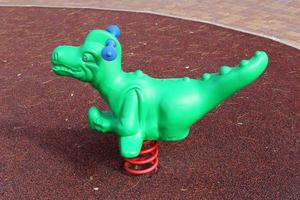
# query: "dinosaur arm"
100,120
128,121
124,123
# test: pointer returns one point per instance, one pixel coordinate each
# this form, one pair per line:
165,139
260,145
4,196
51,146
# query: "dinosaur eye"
87,57
84,58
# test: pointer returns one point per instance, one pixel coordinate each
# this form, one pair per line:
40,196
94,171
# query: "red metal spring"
146,162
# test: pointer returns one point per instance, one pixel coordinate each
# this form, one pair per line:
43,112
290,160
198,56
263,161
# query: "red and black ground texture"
248,148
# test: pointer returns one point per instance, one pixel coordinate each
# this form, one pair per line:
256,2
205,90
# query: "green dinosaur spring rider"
143,108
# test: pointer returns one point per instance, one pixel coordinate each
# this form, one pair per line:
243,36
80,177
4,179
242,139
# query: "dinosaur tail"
229,80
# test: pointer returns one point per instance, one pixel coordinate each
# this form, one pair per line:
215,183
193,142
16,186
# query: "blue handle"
109,52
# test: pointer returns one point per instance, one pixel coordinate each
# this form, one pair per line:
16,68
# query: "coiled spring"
146,162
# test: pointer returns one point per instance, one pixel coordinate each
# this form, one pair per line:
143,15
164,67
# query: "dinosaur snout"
67,61
54,57
65,55
57,54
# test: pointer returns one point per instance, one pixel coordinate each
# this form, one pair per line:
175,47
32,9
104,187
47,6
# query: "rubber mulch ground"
248,148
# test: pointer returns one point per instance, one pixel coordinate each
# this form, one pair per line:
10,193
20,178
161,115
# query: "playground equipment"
143,108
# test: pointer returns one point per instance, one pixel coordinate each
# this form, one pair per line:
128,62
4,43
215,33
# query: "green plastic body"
143,107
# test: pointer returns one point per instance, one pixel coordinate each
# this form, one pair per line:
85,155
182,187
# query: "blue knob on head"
109,52
114,30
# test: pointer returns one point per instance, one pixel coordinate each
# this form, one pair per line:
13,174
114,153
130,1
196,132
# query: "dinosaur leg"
127,123
100,121
130,146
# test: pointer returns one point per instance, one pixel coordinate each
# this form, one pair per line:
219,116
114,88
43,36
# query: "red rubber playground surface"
248,148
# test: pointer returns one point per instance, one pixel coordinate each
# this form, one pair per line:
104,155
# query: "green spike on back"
142,107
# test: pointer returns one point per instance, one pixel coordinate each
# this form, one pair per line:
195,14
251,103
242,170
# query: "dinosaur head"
99,55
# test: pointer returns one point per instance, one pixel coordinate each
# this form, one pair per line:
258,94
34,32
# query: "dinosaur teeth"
225,70
244,63
206,76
